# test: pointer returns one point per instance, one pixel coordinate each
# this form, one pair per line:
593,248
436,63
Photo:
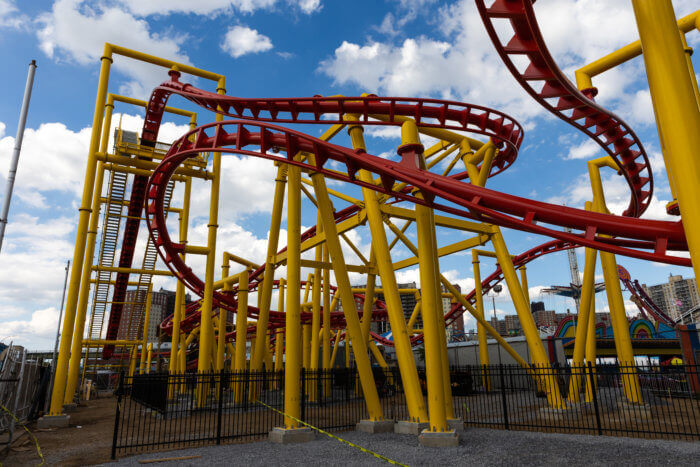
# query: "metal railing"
161,411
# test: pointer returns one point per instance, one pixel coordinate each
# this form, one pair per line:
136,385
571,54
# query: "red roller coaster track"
254,134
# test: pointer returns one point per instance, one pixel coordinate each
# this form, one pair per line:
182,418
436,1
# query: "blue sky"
426,48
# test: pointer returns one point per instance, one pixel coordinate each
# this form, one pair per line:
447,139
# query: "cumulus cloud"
76,31
242,40
214,7
10,17
456,57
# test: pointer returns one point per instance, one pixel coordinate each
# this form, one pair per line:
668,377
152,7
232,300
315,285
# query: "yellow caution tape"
379,456
36,442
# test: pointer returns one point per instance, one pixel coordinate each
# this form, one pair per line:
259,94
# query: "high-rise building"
131,321
676,296
457,327
499,325
513,327
545,318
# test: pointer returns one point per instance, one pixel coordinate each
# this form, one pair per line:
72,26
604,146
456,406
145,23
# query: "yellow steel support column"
430,298
292,367
221,332
446,382
132,361
335,349
146,324
241,322
532,335
326,331
81,310
315,327
676,109
269,274
523,284
380,250
178,312
618,316
584,314
305,344
279,348
149,357
481,330
57,397
206,333
591,350
347,299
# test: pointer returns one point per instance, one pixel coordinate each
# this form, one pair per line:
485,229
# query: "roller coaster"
422,187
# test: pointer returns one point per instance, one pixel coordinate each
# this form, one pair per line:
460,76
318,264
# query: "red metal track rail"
546,83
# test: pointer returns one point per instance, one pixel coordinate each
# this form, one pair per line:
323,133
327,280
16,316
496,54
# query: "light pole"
58,334
496,290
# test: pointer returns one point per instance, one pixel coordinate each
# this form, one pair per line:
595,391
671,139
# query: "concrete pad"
436,439
406,427
53,421
375,426
290,436
456,424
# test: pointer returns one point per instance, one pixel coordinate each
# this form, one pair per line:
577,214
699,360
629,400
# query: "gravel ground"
476,447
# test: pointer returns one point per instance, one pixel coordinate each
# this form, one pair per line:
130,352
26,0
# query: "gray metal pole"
18,146
58,334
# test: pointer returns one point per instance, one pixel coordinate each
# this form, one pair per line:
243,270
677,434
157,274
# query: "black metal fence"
160,411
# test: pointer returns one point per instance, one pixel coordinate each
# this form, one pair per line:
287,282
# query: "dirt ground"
88,439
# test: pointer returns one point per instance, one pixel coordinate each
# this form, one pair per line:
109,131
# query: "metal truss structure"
440,187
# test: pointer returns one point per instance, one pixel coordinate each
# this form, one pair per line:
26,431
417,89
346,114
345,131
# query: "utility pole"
15,152
58,333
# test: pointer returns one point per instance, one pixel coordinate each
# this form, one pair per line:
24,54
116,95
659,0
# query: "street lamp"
496,290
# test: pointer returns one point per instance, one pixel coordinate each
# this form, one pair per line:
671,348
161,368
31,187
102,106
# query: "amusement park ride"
396,195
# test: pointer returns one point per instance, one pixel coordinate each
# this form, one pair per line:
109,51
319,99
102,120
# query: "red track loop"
567,102
632,235
506,133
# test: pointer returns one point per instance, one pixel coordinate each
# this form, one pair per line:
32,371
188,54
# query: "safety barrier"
161,411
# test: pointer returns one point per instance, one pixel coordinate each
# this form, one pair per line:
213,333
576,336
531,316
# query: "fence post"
591,382
303,394
120,391
503,398
220,407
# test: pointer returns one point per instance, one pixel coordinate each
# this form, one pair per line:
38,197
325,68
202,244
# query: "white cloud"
10,17
310,6
40,329
457,60
213,7
616,196
585,150
74,30
242,40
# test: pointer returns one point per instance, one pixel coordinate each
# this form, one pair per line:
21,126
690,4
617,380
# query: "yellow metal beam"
628,52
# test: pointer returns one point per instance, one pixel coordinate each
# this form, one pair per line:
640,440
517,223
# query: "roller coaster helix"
409,187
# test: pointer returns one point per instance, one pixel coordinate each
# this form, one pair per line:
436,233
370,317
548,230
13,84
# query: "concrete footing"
406,427
290,436
375,426
53,421
436,439
456,424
